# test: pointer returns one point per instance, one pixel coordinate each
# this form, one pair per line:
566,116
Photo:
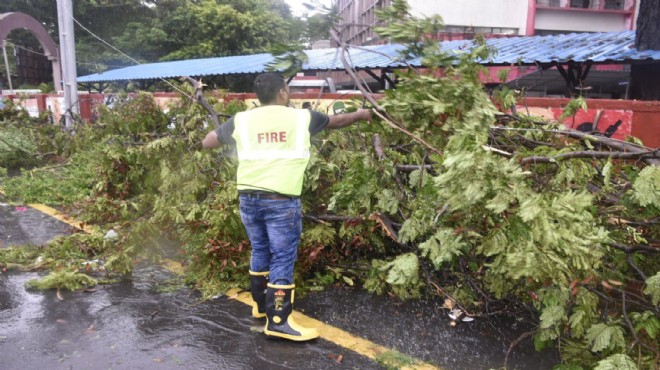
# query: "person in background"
273,146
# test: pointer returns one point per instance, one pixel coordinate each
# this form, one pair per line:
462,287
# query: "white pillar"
4,52
68,60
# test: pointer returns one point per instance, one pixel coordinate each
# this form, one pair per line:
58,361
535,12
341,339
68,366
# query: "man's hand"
211,140
366,114
345,119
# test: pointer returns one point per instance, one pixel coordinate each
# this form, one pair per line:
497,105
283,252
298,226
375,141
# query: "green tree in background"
160,30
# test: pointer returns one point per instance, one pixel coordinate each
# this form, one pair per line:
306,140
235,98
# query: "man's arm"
211,140
221,135
346,119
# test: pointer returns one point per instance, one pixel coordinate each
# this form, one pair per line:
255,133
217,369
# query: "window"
584,4
552,3
481,30
614,4
588,4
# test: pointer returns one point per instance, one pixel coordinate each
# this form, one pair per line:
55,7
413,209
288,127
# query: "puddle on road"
134,325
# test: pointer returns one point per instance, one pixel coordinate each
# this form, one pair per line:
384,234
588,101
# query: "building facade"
495,18
358,20
508,18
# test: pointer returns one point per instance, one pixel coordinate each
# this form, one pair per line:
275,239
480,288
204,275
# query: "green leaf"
647,187
602,336
576,321
573,107
71,280
531,208
442,247
607,173
348,280
418,178
387,201
552,316
404,270
413,228
653,288
646,322
618,361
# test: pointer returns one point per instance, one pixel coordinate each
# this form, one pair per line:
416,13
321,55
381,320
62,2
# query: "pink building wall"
617,118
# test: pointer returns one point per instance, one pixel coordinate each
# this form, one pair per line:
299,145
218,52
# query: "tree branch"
413,167
635,248
199,97
515,343
618,145
333,218
378,147
591,154
378,110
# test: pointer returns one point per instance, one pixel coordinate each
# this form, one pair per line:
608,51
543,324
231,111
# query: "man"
273,146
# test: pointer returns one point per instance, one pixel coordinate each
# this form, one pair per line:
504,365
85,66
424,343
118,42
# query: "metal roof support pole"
578,72
574,76
566,77
587,67
389,83
380,80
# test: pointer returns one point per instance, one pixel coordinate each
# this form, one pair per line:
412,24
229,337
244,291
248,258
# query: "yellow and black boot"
280,323
258,286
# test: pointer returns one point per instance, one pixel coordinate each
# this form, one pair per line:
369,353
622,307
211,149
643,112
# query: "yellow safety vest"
273,145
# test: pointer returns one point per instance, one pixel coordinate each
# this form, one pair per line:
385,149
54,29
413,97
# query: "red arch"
12,21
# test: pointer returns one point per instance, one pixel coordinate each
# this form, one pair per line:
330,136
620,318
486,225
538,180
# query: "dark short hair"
267,85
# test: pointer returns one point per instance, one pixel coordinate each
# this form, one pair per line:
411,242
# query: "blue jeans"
274,227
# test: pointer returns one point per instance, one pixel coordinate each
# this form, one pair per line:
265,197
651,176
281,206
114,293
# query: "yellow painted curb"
60,216
333,334
169,264
174,266
64,218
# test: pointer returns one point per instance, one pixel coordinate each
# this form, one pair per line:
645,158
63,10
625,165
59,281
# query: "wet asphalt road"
141,323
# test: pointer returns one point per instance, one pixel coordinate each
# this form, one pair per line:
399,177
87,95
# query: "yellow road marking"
63,217
172,265
60,216
333,334
330,333
169,264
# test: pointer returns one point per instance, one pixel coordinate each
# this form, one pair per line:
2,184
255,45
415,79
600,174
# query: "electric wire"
77,61
24,48
129,57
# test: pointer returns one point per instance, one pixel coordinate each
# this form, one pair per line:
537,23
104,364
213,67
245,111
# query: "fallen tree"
444,195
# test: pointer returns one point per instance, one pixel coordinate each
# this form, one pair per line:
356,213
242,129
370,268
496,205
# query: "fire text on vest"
271,137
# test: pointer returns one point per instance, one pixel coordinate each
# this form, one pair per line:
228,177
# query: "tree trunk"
645,77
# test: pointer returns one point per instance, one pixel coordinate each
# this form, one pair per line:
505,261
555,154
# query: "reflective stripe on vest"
273,147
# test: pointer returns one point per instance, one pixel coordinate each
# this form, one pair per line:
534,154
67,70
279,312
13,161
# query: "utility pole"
68,58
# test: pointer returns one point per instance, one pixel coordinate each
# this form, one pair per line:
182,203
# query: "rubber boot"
280,323
258,286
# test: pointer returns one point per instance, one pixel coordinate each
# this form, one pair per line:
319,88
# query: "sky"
298,9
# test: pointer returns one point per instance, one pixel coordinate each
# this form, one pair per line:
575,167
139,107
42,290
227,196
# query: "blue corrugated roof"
602,47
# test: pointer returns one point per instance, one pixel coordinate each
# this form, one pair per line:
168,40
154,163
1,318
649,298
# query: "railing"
592,5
